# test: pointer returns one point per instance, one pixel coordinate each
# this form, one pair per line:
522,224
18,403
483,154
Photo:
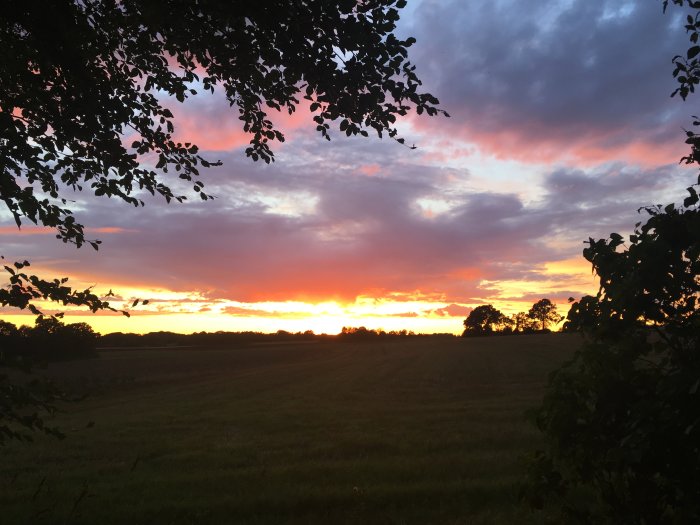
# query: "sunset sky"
561,128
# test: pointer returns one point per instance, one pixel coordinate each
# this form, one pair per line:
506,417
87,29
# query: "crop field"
400,431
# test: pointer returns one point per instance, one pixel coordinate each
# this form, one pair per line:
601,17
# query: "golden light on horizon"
196,310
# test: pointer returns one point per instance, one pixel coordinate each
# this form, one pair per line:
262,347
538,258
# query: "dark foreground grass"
414,431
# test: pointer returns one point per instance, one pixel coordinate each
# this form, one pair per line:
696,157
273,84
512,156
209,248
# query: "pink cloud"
453,310
533,142
43,230
573,82
208,121
369,169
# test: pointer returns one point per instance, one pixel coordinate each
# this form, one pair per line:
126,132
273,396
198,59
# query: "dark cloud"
529,79
343,219
364,235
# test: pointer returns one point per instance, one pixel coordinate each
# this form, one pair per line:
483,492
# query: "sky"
561,128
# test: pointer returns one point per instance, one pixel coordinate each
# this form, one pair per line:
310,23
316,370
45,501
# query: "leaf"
692,199
694,388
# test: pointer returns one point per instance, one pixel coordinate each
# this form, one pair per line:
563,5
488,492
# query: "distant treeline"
221,339
349,332
209,339
48,340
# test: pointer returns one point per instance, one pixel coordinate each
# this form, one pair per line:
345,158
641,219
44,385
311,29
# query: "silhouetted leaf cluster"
86,85
79,78
23,290
622,418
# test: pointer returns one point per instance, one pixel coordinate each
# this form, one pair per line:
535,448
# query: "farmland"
404,430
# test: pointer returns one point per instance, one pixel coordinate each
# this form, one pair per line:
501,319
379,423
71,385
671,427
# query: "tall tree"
545,312
78,77
522,322
621,419
484,319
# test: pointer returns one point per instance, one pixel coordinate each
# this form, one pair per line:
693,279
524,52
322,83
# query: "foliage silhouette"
621,419
523,323
24,399
362,333
79,77
487,320
484,320
85,90
545,312
242,339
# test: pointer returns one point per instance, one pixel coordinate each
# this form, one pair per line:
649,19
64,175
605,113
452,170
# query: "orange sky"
193,311
558,133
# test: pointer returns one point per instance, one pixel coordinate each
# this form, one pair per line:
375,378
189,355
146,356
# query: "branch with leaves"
24,290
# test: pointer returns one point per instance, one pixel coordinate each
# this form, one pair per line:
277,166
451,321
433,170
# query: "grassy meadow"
402,431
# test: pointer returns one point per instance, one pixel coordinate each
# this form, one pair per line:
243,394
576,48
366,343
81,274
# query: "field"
405,431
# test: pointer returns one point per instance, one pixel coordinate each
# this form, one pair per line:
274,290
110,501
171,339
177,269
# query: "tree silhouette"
24,399
483,320
583,316
78,77
545,312
621,418
522,322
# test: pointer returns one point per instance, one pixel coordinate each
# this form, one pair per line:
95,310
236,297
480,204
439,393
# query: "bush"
622,418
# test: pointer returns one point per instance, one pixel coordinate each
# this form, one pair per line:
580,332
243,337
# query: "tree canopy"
24,399
484,319
86,85
545,312
523,323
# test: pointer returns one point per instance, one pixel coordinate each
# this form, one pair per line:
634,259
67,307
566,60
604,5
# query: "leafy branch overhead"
79,77
23,289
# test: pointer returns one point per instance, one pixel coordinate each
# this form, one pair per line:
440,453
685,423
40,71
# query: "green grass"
414,431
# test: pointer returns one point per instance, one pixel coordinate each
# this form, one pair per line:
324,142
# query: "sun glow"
155,309
194,311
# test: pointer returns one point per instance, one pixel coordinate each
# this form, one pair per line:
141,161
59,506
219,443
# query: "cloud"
578,87
44,230
560,297
365,236
453,310
239,311
580,81
210,122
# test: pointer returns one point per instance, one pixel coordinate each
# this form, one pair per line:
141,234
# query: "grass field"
407,431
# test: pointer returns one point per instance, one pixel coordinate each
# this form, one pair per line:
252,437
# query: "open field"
414,431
